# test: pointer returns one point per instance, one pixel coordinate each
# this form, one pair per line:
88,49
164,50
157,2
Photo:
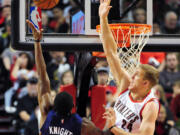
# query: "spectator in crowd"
102,76
170,23
101,62
156,29
159,11
53,94
68,9
175,103
67,78
160,94
170,74
22,70
5,38
102,80
176,88
5,82
27,109
58,24
9,56
31,85
56,67
6,12
67,85
173,5
164,126
6,2
139,16
45,22
23,67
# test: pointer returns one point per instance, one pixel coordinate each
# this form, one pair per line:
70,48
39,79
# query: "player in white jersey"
136,108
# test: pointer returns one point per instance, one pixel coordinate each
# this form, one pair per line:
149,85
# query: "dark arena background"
75,61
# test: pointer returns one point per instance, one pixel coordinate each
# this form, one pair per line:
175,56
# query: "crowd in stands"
18,81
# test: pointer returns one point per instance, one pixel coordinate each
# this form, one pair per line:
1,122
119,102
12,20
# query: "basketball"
46,4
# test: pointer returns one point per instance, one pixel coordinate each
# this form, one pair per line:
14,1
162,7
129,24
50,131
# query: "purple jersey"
55,125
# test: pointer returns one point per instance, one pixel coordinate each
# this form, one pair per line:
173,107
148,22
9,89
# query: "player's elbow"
149,130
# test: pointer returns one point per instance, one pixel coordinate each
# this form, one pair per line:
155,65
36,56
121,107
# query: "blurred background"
83,75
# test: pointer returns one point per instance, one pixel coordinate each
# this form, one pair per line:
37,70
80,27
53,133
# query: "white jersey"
129,112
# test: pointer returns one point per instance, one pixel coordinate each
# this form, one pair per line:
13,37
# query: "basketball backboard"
78,32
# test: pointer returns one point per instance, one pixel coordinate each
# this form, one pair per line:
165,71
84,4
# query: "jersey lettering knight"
54,125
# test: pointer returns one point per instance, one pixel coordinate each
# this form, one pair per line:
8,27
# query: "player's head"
63,104
171,61
146,76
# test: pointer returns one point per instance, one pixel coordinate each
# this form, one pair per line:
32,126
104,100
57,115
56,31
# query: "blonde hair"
150,73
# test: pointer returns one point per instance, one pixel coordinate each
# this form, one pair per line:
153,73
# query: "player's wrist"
37,40
103,17
112,127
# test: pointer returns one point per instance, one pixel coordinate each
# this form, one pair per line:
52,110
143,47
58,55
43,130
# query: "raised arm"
44,98
110,47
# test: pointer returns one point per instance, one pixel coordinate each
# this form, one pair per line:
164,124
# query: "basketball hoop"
130,39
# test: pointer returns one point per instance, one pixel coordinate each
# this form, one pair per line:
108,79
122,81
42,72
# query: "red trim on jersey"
138,101
122,92
150,100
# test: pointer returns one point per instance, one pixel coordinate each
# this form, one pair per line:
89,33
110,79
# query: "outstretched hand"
37,34
110,117
104,8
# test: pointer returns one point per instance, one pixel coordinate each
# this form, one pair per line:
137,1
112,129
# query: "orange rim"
135,28
122,32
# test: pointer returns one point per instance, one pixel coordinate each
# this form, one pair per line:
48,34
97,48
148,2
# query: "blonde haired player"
136,108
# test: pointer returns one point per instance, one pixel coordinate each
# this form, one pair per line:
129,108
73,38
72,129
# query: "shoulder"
124,91
77,118
151,110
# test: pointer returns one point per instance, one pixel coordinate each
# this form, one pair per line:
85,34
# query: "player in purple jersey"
56,117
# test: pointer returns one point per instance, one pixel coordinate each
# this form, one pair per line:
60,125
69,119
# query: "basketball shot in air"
136,109
46,4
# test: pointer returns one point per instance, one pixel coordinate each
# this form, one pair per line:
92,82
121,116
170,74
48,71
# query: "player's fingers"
108,1
42,30
109,7
101,1
111,111
106,117
31,25
107,114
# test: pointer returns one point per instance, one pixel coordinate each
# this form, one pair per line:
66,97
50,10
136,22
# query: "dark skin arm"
88,128
44,98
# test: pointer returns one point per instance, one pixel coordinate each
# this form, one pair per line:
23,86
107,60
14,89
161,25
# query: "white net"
137,38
